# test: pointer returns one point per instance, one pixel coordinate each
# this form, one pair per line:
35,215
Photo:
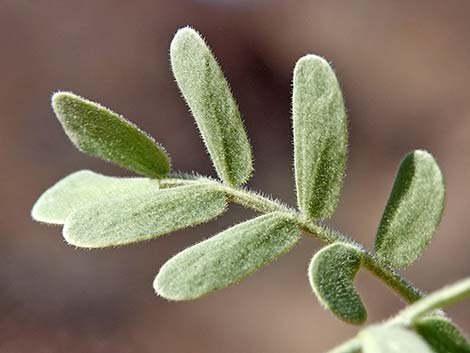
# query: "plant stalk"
257,202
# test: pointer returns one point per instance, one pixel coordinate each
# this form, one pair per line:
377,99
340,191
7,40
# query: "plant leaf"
208,95
101,133
320,136
331,274
413,210
350,346
82,189
143,216
393,339
226,258
442,335
436,300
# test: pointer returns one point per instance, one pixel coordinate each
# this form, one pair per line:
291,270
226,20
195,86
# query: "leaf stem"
402,286
263,204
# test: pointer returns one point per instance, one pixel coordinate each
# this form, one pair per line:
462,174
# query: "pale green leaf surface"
331,274
143,216
436,300
320,136
208,96
226,258
413,210
83,189
381,339
102,133
350,346
442,335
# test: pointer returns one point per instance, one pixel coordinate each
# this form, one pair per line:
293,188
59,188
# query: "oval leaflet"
143,216
226,258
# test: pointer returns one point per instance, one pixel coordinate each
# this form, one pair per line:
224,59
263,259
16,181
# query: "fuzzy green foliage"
226,258
83,189
208,95
320,136
101,133
436,300
142,216
382,339
413,210
331,274
416,329
442,335
99,211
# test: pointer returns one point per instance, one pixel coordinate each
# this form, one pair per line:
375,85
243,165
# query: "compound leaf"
143,216
82,189
413,210
393,339
442,335
331,274
102,133
208,95
226,258
320,136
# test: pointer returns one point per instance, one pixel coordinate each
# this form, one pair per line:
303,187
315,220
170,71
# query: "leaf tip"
59,95
36,213
182,39
166,285
311,59
71,238
186,31
61,99
160,288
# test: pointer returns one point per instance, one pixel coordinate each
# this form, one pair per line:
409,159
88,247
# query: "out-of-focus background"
405,71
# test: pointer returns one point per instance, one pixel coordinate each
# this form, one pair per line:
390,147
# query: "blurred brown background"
405,70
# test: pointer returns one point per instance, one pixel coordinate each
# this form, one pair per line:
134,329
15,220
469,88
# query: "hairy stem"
255,201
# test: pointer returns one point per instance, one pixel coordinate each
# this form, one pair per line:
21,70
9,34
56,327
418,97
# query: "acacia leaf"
413,211
82,189
392,339
331,274
442,335
102,133
226,258
207,93
143,216
320,136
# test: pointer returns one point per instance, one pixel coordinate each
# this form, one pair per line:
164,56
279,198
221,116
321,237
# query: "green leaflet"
417,328
143,216
392,339
82,189
320,136
436,300
226,258
413,210
101,133
442,335
208,95
331,274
